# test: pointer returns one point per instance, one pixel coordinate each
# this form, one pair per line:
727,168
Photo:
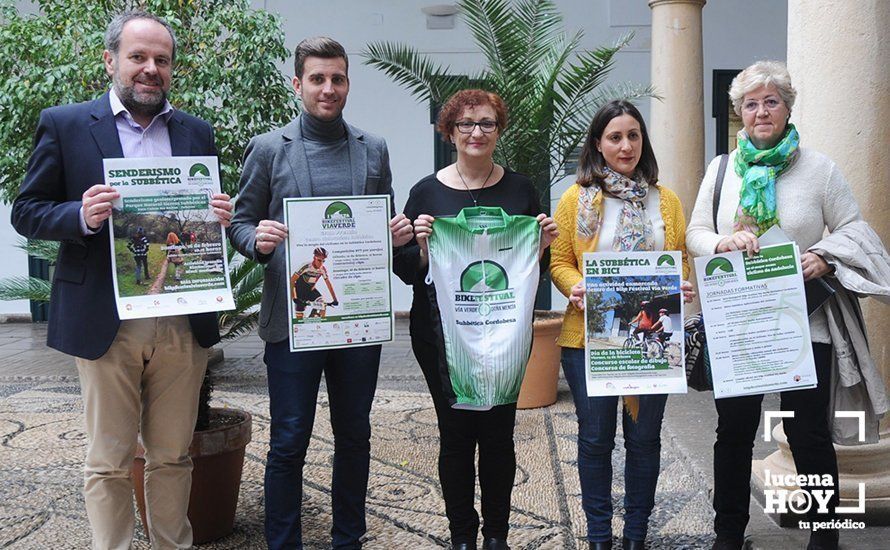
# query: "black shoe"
495,544
603,545
629,544
723,543
464,546
824,540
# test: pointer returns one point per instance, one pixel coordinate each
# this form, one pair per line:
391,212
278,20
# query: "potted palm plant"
552,90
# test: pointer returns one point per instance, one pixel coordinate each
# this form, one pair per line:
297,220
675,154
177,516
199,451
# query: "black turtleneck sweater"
327,150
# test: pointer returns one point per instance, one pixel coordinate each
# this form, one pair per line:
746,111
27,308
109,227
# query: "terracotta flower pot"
218,458
542,374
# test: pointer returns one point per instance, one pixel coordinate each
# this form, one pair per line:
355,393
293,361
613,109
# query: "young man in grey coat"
317,154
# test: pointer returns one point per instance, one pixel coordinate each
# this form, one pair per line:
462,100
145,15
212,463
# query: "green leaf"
25,288
421,77
44,250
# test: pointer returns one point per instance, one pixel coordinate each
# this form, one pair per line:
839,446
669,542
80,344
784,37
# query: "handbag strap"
718,187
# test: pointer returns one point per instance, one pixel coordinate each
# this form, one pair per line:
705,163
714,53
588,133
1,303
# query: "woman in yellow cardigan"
615,205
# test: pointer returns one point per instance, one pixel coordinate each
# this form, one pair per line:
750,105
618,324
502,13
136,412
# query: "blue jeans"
597,418
294,378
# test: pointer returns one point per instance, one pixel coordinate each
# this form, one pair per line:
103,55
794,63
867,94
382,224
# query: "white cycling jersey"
484,264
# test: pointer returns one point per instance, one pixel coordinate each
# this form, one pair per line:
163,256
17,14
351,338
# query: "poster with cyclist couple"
168,249
758,330
339,260
633,323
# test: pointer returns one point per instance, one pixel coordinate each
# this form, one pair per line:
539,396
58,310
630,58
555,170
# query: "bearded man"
137,377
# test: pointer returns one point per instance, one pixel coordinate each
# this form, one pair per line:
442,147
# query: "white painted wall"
735,33
14,262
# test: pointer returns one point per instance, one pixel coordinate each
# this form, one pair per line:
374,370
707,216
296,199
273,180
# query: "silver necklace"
467,187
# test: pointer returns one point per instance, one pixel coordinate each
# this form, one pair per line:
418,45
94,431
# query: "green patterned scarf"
759,169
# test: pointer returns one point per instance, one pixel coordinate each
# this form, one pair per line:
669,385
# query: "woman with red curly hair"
472,120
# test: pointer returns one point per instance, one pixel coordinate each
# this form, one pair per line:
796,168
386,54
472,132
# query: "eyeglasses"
770,104
468,126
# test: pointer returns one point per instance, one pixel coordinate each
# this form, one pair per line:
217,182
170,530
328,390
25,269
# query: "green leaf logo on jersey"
719,266
199,170
483,276
665,259
338,215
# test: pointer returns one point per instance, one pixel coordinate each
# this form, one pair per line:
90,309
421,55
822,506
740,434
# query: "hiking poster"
168,249
633,323
755,311
339,260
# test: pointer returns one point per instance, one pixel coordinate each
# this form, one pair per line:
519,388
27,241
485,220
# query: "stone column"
838,55
677,121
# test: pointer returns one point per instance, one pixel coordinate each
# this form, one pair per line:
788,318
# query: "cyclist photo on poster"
308,301
632,306
633,320
338,259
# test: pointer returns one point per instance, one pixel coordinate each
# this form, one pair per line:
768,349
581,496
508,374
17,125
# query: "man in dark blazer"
317,154
136,376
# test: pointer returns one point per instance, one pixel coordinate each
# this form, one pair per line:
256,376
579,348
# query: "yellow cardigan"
566,254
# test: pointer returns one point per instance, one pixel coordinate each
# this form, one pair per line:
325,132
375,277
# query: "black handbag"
698,365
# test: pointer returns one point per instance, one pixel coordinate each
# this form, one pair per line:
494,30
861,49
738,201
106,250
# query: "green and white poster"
633,323
339,260
755,312
168,249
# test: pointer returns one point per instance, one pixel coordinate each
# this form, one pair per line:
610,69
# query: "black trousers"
460,431
808,436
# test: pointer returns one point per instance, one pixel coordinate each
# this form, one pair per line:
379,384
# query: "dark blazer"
275,168
69,146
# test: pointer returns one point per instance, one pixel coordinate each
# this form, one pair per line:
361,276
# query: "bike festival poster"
633,323
168,249
339,260
755,311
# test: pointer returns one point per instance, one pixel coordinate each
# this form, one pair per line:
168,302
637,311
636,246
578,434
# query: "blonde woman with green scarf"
772,180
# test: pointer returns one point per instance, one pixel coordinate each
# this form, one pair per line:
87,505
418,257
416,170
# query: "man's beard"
147,104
